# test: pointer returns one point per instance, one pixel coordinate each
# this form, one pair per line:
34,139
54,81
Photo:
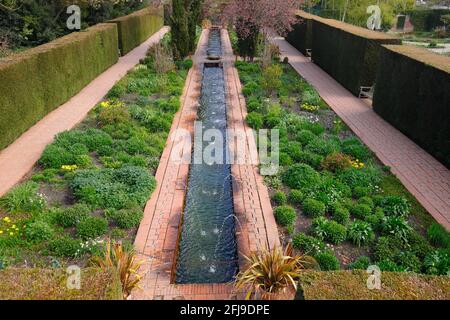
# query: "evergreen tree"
194,21
180,29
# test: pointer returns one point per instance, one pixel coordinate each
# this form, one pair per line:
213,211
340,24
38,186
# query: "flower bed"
350,210
93,181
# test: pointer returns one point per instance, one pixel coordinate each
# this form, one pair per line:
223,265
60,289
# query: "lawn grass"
352,285
51,284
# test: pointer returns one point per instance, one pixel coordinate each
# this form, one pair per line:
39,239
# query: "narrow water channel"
208,251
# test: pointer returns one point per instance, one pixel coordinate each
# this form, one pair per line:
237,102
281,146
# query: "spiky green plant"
272,272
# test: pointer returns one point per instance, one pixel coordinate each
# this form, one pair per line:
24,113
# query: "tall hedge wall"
348,53
138,27
301,35
35,82
427,20
413,94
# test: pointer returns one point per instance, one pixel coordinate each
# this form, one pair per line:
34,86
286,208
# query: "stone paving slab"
425,177
19,158
159,232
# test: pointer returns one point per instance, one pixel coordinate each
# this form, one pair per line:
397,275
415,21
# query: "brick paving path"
19,158
426,178
158,234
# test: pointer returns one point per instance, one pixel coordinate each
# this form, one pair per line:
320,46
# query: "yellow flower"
104,104
1,231
69,167
11,233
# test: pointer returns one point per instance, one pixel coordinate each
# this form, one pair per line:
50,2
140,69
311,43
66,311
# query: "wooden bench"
366,92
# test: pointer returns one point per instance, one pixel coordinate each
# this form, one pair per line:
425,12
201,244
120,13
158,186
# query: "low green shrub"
366,201
295,197
48,176
91,138
70,217
305,137
254,105
360,192
327,261
438,235
92,227
108,188
389,266
311,97
335,162
323,146
418,244
285,216
116,113
341,215
361,263
387,247
279,198
294,150
271,78
354,148
368,177
125,218
285,159
252,89
38,231
437,262
255,120
312,159
24,198
361,211
313,208
376,219
307,244
409,262
360,233
329,230
299,176
395,205
335,233
64,247
395,225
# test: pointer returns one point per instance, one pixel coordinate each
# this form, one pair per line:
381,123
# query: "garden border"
18,159
424,177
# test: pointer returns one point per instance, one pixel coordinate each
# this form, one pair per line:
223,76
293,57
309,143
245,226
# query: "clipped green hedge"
301,35
426,20
36,81
138,27
348,53
413,94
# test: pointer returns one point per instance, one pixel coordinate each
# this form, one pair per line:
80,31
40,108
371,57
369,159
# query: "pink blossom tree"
250,17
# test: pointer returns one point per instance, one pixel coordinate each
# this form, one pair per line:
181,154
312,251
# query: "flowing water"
208,251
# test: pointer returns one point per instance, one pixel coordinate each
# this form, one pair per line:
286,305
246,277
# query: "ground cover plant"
92,182
350,211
